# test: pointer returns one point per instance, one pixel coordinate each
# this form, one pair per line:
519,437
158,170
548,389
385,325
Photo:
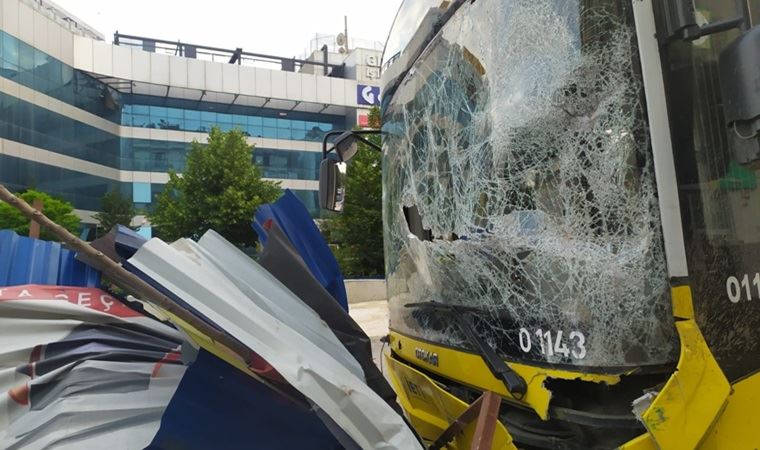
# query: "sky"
280,27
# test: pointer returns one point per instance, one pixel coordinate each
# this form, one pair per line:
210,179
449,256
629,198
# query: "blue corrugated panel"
25,260
294,220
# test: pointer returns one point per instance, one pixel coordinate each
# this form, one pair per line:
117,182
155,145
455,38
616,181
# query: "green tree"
116,209
219,189
357,232
57,210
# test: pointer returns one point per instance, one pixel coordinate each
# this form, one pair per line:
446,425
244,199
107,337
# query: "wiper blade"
464,314
446,307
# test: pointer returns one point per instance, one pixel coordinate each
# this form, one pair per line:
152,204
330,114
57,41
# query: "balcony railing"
236,56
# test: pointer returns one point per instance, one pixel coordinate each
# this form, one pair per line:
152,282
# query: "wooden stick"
34,227
132,284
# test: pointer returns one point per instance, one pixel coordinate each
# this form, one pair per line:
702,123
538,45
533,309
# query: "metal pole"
134,285
747,13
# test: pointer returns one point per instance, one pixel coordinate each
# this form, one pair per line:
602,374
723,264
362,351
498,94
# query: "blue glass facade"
84,190
35,126
203,116
39,127
290,165
32,125
37,70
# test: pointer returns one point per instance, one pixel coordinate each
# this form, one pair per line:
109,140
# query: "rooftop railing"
230,56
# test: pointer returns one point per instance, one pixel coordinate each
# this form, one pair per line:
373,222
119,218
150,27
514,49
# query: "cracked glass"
519,186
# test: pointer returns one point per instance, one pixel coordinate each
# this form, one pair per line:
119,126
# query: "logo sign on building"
367,95
372,73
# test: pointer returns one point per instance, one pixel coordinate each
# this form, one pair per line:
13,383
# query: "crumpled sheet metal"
280,258
331,381
527,158
267,292
294,220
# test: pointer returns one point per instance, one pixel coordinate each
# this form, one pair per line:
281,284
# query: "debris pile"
198,346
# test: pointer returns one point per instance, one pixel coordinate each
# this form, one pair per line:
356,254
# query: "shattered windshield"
408,18
518,181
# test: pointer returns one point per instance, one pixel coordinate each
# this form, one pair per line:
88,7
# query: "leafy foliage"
57,210
220,189
116,209
357,232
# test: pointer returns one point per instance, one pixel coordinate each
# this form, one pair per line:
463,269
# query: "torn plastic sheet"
325,376
519,182
78,368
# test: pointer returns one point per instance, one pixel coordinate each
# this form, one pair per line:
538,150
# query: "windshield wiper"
464,316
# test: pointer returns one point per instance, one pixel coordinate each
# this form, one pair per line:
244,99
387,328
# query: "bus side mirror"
346,146
332,184
739,67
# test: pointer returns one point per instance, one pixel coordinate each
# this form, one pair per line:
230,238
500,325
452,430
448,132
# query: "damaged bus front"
520,192
533,236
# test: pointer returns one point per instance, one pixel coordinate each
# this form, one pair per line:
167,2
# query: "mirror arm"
716,27
370,143
324,141
367,131
357,133
681,21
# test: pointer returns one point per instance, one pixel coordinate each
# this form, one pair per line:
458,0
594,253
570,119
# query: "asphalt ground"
373,318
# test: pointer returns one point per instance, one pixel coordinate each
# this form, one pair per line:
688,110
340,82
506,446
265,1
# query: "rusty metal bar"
487,418
457,425
486,410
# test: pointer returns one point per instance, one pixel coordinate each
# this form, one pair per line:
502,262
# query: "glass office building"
80,116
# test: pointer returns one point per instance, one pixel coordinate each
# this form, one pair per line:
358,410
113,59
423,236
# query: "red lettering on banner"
104,300
72,294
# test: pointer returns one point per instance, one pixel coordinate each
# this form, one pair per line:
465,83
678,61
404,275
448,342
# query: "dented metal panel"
519,182
324,374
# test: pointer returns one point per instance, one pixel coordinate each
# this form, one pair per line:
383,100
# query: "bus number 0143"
553,343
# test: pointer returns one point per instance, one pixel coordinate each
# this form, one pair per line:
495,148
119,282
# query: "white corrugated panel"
328,381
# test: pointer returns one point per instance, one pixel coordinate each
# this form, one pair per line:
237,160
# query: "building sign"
367,95
372,73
